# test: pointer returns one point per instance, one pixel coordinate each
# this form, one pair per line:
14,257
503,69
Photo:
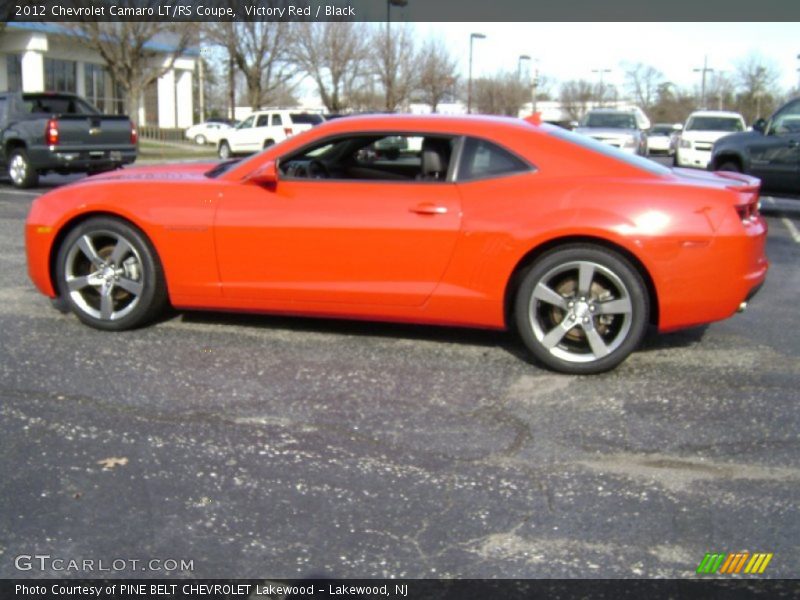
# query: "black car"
771,151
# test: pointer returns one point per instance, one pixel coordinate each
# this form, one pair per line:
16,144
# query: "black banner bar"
411,10
372,589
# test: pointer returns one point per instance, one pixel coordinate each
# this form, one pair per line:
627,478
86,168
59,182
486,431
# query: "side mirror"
265,175
760,126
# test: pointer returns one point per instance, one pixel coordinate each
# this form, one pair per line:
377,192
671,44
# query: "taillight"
287,130
51,133
748,212
134,134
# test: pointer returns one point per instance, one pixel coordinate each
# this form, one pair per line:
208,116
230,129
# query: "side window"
247,123
276,121
2,108
482,159
395,157
787,121
263,121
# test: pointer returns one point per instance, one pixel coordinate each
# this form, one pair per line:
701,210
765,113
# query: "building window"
14,72
60,75
94,81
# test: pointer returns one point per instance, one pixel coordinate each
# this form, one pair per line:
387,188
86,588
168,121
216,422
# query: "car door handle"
426,208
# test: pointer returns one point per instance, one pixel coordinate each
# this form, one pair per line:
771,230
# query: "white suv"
702,129
264,128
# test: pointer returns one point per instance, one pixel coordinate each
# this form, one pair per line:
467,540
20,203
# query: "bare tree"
132,60
502,94
259,50
394,64
437,73
721,91
672,104
642,82
576,95
334,55
758,92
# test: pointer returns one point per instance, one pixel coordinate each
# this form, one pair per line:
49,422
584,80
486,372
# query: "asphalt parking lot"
287,448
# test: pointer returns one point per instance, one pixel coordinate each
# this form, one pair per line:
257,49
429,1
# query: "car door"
339,241
241,137
775,156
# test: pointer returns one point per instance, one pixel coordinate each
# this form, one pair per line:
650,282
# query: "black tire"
675,162
729,165
109,275
200,139
581,331
224,151
267,144
20,170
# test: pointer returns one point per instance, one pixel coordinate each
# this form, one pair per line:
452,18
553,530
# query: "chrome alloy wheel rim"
17,169
104,275
580,311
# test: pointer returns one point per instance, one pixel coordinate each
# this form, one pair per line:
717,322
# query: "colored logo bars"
728,564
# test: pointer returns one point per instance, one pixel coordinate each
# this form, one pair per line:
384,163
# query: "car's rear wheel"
224,150
110,275
268,143
20,170
200,139
581,309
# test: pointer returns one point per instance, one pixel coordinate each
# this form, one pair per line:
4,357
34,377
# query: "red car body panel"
369,250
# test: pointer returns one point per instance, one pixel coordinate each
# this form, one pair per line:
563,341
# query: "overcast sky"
572,50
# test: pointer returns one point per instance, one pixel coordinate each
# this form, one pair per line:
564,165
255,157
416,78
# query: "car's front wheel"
110,275
581,309
200,139
224,150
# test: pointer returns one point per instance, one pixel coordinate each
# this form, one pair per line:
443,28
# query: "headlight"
686,144
630,142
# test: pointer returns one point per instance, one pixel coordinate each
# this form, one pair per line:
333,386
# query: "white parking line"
19,193
792,229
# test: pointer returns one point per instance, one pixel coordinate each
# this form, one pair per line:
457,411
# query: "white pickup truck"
264,128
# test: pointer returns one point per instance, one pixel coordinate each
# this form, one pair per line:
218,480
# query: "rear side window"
52,104
306,119
482,159
276,121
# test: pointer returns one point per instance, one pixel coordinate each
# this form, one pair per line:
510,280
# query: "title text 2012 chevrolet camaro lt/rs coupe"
469,221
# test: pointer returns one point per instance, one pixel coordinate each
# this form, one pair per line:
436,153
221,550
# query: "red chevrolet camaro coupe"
469,221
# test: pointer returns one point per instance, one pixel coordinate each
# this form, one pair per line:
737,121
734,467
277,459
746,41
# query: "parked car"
771,151
702,129
661,139
63,133
264,128
208,132
497,223
618,128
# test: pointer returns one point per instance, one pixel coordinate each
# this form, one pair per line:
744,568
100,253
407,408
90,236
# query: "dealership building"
38,57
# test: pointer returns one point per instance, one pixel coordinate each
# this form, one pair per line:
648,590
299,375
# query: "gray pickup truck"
63,133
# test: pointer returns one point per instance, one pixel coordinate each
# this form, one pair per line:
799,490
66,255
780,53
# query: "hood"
739,139
698,135
604,132
169,172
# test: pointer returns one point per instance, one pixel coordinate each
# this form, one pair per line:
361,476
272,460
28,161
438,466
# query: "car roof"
455,124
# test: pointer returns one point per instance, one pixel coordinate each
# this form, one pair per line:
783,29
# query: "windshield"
731,124
610,121
662,130
592,144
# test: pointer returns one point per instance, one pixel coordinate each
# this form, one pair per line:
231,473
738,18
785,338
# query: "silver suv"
623,129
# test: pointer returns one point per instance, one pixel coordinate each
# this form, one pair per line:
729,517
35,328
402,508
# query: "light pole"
704,70
389,4
601,72
390,52
519,64
472,38
798,70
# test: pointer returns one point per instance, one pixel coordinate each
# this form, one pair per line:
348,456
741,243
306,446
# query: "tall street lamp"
601,72
519,64
472,38
704,71
389,5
